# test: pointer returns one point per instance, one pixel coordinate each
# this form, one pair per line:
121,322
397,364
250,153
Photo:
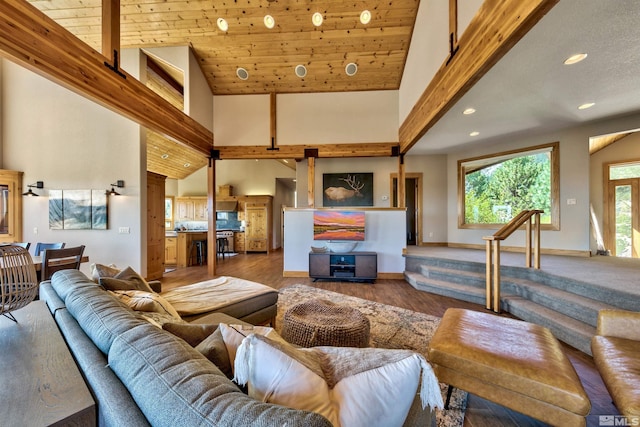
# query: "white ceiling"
531,91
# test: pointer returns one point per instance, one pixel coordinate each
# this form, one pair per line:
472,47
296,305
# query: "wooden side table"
40,382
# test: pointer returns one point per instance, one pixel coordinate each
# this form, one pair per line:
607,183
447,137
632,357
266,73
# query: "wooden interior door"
155,226
256,231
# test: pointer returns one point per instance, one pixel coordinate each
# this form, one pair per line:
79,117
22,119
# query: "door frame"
418,177
609,205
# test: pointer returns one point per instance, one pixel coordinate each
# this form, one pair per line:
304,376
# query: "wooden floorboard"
267,269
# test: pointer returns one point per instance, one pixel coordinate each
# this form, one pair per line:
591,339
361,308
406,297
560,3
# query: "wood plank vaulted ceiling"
379,48
269,55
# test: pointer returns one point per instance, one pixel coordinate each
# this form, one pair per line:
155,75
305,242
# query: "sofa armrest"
619,323
156,286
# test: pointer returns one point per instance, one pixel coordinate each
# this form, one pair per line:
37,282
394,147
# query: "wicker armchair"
18,280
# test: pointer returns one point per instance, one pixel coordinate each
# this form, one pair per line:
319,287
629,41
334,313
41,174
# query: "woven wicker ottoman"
320,322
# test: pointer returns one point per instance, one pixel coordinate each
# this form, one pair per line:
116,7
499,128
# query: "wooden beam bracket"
453,47
273,145
310,153
213,156
115,67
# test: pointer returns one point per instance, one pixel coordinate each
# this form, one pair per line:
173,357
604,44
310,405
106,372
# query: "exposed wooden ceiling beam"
380,149
33,40
495,29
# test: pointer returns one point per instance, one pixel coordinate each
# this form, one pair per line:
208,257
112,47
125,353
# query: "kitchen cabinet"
10,206
171,250
238,242
192,209
258,218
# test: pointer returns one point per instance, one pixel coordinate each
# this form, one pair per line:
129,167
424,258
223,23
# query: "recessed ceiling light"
222,24
242,73
286,161
269,22
586,105
351,69
301,71
468,111
164,156
474,133
186,165
574,59
317,19
365,17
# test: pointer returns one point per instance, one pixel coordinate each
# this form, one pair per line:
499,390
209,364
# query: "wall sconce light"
120,184
38,184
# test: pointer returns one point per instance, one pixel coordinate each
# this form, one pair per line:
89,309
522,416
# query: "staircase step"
574,306
447,274
571,331
444,288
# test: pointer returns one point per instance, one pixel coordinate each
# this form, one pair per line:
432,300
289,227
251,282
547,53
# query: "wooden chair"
42,246
60,259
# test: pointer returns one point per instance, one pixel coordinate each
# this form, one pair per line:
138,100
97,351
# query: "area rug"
391,327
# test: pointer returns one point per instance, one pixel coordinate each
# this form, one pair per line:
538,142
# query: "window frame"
555,185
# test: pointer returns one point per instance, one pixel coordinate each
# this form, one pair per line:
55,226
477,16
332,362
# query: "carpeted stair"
568,307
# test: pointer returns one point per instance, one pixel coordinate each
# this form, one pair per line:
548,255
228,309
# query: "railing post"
488,282
527,249
496,276
536,255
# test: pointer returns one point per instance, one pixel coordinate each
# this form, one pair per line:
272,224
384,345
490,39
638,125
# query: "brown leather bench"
516,364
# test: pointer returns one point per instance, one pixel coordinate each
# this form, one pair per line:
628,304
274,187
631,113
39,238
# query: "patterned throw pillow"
125,280
146,301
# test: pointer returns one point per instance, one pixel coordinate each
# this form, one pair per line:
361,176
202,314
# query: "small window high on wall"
495,188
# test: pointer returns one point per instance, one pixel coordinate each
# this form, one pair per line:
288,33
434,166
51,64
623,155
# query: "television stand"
351,266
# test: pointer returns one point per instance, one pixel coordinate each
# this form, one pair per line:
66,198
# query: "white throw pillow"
146,301
351,387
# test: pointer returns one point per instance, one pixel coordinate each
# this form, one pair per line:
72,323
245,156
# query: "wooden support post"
110,28
496,276
402,190
489,278
311,173
212,244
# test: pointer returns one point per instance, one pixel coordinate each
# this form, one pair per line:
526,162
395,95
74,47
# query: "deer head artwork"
341,193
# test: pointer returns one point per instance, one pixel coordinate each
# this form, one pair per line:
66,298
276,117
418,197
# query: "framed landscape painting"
77,210
347,189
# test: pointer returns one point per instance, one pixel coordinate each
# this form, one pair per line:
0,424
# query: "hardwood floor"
267,269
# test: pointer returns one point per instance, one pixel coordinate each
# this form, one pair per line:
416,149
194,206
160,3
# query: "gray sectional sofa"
141,375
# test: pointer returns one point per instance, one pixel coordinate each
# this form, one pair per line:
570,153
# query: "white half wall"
384,229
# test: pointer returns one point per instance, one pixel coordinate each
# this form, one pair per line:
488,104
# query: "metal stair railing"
493,252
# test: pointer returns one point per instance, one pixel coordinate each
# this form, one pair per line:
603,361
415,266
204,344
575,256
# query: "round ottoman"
320,322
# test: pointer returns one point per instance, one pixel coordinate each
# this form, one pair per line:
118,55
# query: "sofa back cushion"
101,316
173,385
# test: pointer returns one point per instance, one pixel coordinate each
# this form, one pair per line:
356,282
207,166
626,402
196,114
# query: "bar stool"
201,251
223,246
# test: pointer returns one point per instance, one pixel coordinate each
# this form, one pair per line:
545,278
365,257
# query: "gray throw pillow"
192,334
214,349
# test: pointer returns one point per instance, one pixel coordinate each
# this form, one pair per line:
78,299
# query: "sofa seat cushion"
350,386
618,361
173,385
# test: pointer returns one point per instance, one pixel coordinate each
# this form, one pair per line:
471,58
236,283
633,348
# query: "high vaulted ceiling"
379,49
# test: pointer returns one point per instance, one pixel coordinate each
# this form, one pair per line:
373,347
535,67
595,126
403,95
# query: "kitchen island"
185,257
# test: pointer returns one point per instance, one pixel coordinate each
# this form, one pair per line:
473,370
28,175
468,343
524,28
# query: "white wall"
320,118
575,180
58,137
384,229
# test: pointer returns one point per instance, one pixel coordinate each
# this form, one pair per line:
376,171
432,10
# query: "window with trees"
493,189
